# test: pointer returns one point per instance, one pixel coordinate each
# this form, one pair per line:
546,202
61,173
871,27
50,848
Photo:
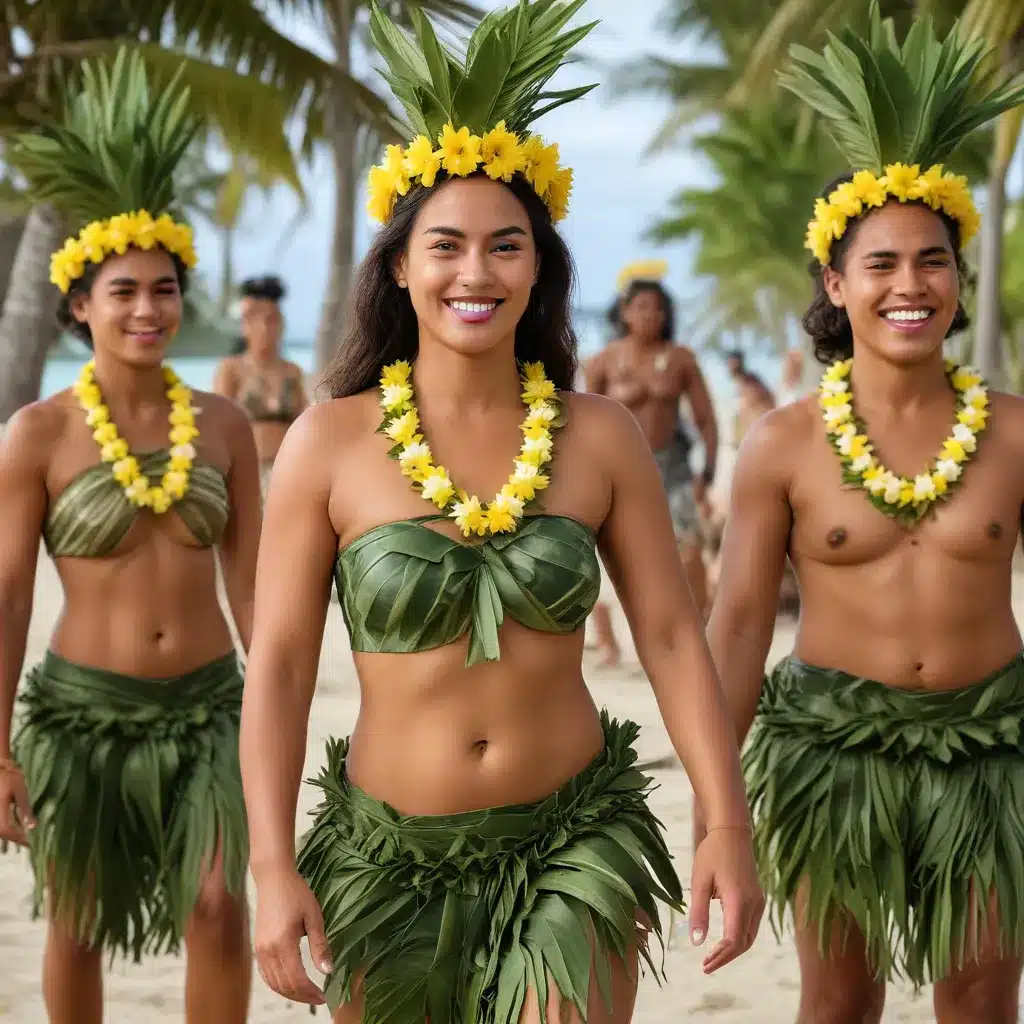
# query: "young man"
886,765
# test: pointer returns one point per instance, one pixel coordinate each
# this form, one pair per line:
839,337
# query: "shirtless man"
649,374
754,396
886,770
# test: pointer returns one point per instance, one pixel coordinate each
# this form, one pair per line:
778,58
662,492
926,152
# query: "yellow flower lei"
941,191
499,153
114,449
898,497
96,241
503,513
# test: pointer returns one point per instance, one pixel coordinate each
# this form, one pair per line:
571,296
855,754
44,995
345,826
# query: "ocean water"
198,371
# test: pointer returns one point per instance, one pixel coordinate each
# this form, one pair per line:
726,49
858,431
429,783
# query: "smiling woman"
484,853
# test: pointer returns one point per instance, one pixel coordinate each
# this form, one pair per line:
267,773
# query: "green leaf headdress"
893,110
471,112
108,163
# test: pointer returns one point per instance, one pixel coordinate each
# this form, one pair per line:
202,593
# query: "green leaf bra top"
91,516
404,587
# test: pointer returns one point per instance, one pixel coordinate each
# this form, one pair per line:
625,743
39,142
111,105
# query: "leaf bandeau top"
92,515
405,587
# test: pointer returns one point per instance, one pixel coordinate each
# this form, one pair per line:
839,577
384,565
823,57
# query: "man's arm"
697,394
753,559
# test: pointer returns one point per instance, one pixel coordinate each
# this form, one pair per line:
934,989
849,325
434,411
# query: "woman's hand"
724,868
286,910
16,818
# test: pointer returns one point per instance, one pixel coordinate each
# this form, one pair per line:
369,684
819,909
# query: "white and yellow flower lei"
899,497
503,512
499,153
101,238
941,190
114,449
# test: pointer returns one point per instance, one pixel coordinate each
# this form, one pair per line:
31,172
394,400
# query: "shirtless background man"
649,374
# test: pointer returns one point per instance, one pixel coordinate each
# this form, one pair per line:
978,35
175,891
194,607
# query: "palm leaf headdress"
108,164
897,113
472,111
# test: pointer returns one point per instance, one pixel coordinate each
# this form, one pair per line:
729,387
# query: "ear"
398,270
79,306
833,282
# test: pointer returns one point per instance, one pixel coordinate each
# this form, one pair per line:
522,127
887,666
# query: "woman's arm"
240,543
293,577
225,380
639,548
28,437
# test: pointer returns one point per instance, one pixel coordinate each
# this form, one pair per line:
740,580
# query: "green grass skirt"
456,917
135,784
895,807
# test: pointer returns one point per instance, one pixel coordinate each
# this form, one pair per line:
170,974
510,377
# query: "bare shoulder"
294,370
332,426
220,411
777,441
36,430
601,424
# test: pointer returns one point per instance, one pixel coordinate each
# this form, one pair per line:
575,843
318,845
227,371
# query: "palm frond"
508,60
886,103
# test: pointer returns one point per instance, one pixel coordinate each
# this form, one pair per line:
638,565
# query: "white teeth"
907,314
473,307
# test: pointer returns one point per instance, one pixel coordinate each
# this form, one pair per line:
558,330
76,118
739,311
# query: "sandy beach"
762,987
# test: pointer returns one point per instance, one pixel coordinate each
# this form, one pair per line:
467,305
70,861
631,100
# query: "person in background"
646,371
754,397
269,388
791,386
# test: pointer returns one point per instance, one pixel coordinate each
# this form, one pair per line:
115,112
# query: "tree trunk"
988,353
10,239
342,131
27,325
227,270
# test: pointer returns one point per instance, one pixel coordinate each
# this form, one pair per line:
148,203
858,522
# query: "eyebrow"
122,282
513,229
891,254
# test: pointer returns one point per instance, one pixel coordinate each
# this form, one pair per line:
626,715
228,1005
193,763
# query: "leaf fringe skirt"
900,812
135,785
456,917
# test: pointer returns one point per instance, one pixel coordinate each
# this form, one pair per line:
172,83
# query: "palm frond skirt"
135,785
457,917
899,811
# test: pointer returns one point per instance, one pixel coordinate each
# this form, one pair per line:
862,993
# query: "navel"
994,530
836,537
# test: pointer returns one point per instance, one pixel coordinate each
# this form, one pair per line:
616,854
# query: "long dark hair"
828,325
668,308
381,326
83,286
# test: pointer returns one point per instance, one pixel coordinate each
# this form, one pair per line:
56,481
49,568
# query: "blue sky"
618,190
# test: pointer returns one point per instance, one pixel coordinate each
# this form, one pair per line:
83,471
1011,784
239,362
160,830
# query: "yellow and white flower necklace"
505,510
899,497
114,449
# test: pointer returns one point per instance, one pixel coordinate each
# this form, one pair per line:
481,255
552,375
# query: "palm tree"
350,139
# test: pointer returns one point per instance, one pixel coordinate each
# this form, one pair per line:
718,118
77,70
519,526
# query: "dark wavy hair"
829,326
83,286
381,325
668,308
269,287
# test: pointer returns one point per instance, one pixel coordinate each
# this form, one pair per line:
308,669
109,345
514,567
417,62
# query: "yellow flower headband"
499,154
641,270
942,191
101,238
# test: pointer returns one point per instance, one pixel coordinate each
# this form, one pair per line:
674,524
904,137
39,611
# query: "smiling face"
133,308
469,266
898,283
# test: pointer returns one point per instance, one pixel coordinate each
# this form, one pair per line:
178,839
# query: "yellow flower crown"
499,154
101,238
942,191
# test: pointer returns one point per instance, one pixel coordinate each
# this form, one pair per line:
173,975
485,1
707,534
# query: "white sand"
761,988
